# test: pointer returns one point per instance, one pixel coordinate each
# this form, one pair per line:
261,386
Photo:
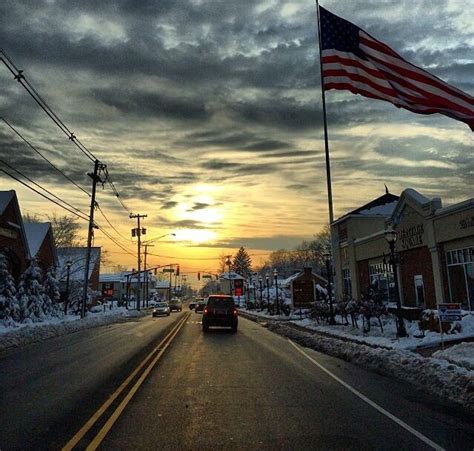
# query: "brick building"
435,246
13,241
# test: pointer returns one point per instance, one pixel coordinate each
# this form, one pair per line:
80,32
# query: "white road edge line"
364,398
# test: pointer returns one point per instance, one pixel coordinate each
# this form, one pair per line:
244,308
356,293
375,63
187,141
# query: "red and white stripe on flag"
378,72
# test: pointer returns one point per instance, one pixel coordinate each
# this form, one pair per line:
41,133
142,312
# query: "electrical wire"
110,224
111,238
18,75
41,187
115,191
43,195
42,156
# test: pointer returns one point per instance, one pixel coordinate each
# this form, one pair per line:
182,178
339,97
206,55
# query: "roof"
77,257
5,198
288,281
35,234
382,206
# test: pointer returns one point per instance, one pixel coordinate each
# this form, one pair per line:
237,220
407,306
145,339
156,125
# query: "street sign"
449,312
206,276
168,270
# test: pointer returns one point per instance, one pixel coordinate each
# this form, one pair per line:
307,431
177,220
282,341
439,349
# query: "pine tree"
51,294
242,263
8,302
30,294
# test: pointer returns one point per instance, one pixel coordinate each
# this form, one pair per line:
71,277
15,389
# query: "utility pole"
98,166
146,246
138,233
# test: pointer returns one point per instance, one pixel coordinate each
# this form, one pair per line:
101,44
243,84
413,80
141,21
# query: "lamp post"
228,263
260,285
267,279
275,275
327,257
391,237
254,282
68,271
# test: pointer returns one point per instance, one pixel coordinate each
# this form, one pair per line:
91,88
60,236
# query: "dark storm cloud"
199,206
168,205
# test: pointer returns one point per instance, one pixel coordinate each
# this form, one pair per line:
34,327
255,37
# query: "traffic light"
199,276
177,270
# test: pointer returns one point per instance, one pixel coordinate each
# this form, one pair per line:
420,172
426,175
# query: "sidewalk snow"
461,354
30,333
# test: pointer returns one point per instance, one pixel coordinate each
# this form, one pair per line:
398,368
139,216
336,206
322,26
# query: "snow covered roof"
5,198
288,281
77,257
35,234
382,206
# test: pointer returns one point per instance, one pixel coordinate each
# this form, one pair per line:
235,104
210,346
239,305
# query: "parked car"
194,302
200,306
220,311
176,304
161,308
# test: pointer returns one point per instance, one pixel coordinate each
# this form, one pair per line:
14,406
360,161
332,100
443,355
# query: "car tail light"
235,312
206,311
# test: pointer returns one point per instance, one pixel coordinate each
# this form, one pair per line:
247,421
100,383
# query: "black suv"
220,311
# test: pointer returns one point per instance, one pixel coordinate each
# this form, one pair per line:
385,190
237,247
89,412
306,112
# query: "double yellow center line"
151,361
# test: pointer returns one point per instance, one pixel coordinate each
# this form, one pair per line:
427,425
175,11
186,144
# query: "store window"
346,277
461,276
419,291
382,281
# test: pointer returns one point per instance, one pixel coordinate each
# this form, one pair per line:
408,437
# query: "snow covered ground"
54,327
461,354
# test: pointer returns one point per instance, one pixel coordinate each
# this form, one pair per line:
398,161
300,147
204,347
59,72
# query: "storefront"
434,250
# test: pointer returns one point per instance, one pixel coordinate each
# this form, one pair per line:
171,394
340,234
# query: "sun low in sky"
208,116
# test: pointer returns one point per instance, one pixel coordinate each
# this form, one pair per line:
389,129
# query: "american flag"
355,61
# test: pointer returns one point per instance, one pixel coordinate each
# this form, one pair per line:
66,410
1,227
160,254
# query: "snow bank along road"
249,390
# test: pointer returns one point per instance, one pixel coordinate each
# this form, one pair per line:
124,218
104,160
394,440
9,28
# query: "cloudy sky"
208,116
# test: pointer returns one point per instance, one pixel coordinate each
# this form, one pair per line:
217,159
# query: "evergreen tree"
8,302
51,294
31,294
242,263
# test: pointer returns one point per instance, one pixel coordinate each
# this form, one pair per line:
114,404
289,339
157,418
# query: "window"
347,284
460,264
382,281
419,291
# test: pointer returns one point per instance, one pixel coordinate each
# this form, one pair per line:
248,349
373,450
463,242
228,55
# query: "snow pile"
461,354
54,327
435,376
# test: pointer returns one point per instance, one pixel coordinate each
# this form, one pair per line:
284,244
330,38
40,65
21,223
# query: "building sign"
468,222
8,233
449,312
239,287
411,236
303,293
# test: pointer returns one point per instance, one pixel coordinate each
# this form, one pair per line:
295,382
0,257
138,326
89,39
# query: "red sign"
239,287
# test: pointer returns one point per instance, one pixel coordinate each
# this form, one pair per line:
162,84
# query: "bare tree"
221,264
65,230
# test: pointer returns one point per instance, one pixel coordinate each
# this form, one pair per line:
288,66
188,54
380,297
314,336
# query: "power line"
110,224
42,156
111,238
43,195
20,78
115,191
41,187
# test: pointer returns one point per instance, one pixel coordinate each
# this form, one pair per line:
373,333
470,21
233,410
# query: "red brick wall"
45,255
417,262
14,249
364,279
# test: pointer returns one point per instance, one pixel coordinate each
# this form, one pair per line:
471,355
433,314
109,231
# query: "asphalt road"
249,390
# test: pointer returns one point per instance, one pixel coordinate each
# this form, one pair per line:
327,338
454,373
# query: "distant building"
304,287
13,241
228,282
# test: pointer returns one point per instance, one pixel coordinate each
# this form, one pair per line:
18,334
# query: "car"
161,308
220,310
192,304
176,304
200,306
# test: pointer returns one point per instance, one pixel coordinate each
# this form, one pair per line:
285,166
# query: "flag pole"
326,143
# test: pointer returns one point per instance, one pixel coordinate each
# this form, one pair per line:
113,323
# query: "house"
13,241
120,285
232,283
41,244
72,260
304,287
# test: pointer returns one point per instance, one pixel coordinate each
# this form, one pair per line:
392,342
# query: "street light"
327,257
391,237
260,285
228,263
267,278
66,300
275,275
